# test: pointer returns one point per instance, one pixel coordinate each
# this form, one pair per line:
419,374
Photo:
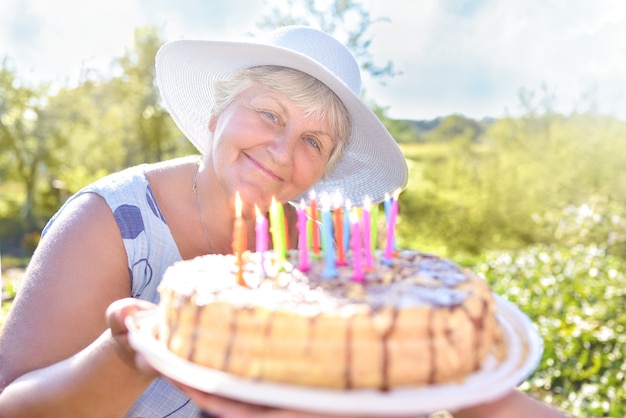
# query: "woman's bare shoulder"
78,269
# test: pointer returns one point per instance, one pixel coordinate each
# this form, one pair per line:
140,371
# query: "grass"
11,278
4,311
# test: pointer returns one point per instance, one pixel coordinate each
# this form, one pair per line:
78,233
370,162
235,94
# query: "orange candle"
239,239
338,221
315,237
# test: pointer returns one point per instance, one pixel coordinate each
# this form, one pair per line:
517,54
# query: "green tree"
149,134
29,139
348,20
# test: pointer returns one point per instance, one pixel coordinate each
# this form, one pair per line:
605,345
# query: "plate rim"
363,402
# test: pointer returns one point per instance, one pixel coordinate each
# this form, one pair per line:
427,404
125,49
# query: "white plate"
524,351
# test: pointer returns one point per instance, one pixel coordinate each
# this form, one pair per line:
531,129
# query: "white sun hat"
372,164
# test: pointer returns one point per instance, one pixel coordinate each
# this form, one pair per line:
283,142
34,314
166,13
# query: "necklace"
194,188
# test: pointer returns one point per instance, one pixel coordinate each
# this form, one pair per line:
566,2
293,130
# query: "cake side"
423,320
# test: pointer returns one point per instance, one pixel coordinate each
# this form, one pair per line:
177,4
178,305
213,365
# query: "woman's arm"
57,357
514,405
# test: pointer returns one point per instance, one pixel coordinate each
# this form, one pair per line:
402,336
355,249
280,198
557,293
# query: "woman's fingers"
119,310
116,315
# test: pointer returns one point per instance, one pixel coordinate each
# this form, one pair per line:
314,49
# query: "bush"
575,296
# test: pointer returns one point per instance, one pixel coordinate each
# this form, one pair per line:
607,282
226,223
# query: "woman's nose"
282,148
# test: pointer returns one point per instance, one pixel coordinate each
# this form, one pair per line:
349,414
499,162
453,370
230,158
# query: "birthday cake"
414,320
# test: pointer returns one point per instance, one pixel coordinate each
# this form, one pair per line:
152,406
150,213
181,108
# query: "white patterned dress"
150,249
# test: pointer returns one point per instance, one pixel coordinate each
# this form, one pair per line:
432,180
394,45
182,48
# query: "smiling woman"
272,120
105,251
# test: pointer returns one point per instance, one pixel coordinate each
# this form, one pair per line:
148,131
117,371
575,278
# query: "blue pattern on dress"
128,218
152,203
143,269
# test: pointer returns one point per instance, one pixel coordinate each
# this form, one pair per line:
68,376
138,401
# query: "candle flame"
238,205
257,211
396,194
354,216
337,198
367,202
348,205
325,200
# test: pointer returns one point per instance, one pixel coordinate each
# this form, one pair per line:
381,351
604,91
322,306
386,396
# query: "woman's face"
264,146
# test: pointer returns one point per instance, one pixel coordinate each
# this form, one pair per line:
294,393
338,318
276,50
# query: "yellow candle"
277,227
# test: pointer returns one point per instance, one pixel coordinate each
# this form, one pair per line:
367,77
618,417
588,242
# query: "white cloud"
474,60
457,56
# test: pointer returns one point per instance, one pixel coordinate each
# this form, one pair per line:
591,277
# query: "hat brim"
372,164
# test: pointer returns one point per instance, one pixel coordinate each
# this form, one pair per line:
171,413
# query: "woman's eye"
313,142
270,116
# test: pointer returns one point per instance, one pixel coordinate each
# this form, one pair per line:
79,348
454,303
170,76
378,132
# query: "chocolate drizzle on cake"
231,341
479,327
348,360
431,346
385,386
195,332
421,302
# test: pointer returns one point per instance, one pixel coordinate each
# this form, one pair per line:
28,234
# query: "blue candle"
330,270
388,204
346,227
391,230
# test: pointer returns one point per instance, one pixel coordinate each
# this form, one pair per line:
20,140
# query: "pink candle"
391,229
367,234
303,245
355,241
262,230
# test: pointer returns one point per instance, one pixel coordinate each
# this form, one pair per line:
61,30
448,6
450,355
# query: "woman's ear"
213,122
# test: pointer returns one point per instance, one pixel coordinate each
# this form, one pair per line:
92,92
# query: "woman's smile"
263,168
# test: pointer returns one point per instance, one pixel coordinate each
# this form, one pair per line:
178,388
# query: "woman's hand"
217,406
116,315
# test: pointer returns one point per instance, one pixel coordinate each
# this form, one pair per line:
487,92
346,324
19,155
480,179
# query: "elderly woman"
272,119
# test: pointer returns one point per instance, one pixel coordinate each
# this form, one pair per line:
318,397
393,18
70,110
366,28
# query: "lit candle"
278,238
355,242
239,239
375,210
338,229
315,238
303,245
346,226
367,234
330,270
391,229
387,203
261,228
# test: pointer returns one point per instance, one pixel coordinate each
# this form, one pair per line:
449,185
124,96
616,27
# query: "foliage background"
535,203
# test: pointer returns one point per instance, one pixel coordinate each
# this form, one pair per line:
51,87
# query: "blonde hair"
307,92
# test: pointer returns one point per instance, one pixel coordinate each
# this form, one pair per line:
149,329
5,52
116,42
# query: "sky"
475,58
